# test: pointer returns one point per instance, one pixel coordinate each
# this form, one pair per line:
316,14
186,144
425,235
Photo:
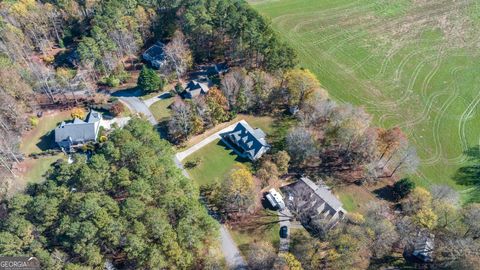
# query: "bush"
402,188
113,81
178,88
102,139
117,108
123,76
110,81
78,113
33,120
193,163
113,99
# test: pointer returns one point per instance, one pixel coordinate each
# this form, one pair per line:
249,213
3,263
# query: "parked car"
283,232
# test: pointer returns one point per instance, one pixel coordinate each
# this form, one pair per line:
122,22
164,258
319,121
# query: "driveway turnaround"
136,105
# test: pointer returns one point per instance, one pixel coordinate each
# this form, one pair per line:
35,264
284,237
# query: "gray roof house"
423,246
78,131
195,88
311,201
155,55
250,142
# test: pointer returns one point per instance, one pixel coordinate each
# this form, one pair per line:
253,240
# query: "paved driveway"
136,105
120,121
284,220
229,249
156,98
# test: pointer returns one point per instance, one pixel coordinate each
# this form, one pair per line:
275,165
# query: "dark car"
283,232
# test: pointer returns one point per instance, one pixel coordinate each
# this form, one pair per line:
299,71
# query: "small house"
155,55
78,131
195,88
248,142
423,247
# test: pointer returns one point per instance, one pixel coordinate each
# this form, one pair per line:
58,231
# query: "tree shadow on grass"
470,175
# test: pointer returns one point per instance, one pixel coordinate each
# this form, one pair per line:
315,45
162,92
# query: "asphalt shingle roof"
252,141
79,131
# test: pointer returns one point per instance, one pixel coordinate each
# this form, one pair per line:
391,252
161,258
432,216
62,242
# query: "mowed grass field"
411,63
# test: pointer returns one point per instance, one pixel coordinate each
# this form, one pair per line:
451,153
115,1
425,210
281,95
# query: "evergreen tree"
149,80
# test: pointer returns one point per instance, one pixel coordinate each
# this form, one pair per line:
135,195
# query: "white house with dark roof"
250,143
312,201
195,88
79,131
155,55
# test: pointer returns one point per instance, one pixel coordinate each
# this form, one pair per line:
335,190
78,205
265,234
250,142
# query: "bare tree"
237,86
471,218
300,144
178,54
180,124
261,255
445,194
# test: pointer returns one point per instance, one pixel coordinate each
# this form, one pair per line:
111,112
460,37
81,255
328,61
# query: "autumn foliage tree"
238,191
302,85
217,104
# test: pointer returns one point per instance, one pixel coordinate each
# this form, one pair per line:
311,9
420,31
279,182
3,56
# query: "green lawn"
41,137
396,60
215,160
348,202
263,229
160,109
36,168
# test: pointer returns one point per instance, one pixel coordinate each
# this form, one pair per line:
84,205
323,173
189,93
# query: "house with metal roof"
195,88
248,142
311,201
78,131
155,55
424,246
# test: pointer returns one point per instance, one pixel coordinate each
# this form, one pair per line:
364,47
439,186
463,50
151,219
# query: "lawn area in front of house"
264,228
41,137
160,109
214,161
